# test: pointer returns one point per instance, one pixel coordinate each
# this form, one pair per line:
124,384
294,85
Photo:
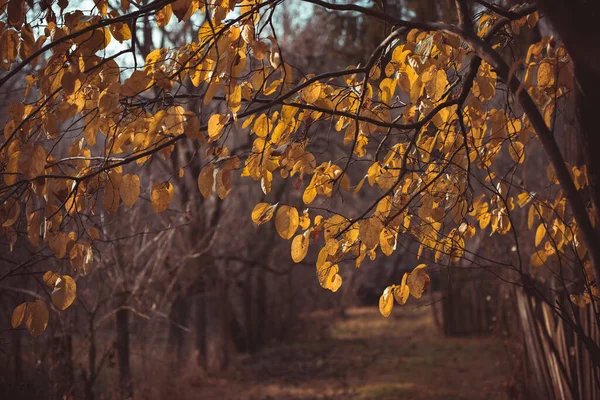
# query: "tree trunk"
201,327
89,377
576,22
255,309
179,316
61,366
17,355
125,383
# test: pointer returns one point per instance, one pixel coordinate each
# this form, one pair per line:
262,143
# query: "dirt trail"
368,357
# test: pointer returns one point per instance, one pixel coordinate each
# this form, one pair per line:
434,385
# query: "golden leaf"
161,195
206,180
18,315
261,126
401,292
32,161
336,283
311,93
546,74
263,212
216,123
223,182
540,233
130,189
65,291
309,194
517,151
386,302
50,278
369,230
287,221
299,247
484,219
109,99
326,273
36,318
538,258
418,280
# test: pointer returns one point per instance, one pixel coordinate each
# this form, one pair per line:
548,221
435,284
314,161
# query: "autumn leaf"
216,124
401,292
206,180
129,189
18,315
36,317
286,221
417,281
263,212
386,302
64,293
161,196
300,247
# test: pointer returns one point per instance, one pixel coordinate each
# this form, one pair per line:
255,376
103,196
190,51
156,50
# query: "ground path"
366,356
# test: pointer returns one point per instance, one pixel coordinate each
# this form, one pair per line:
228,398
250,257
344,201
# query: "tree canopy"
436,128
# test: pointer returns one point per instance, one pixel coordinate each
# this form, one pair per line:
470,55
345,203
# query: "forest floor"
365,356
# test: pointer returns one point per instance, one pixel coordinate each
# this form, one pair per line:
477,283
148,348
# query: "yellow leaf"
304,220
332,246
65,291
130,189
299,247
540,233
546,74
524,198
484,220
10,173
206,180
18,315
387,241
216,123
516,150
81,256
109,99
50,278
192,127
401,292
287,221
161,195
223,182
163,16
530,217
263,212
336,284
32,161
538,258
261,125
417,281
326,274
386,302
311,93
369,230
36,318
309,194
234,99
